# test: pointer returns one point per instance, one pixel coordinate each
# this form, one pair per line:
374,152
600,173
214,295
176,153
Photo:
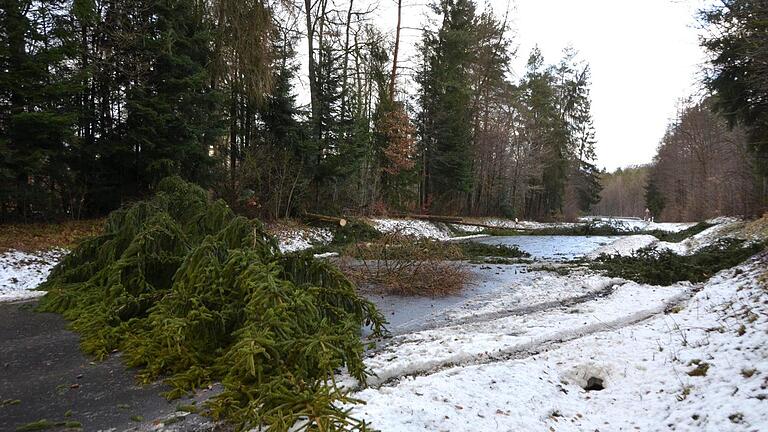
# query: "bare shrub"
404,265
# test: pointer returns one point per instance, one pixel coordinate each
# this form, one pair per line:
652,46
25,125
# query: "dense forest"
100,99
103,98
623,192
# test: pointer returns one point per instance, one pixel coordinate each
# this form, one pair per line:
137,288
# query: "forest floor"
522,348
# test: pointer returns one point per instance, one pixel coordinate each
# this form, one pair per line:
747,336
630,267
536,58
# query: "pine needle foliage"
650,265
192,293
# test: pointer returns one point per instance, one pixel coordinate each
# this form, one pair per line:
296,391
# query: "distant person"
647,215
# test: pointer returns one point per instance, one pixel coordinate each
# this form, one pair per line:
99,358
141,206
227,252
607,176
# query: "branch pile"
191,292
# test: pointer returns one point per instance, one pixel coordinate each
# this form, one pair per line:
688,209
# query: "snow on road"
21,273
650,368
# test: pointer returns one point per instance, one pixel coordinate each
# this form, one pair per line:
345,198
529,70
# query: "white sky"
644,56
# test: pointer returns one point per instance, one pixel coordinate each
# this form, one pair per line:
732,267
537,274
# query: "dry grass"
401,265
44,236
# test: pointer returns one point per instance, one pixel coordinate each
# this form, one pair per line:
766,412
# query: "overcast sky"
644,56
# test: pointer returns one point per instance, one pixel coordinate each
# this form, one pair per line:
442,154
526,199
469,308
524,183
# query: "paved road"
43,369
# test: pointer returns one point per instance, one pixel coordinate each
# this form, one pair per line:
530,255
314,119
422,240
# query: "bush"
664,267
471,250
189,291
403,265
676,237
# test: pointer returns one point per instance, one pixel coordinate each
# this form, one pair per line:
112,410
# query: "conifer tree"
173,113
446,103
36,85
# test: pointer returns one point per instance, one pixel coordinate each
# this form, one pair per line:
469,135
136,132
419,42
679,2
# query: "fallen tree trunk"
431,218
323,218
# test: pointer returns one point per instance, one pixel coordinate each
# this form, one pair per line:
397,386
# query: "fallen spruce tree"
654,266
192,293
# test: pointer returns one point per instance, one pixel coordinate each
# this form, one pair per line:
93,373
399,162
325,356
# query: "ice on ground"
21,273
649,371
297,239
412,227
553,247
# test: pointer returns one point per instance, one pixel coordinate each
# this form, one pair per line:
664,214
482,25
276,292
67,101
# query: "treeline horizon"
100,99
702,169
713,158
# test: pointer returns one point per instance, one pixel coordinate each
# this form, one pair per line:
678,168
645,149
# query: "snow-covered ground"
723,228
528,372
412,227
296,239
515,351
21,273
636,224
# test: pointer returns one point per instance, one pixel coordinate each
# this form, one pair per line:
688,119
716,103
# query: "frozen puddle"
407,314
553,247
496,287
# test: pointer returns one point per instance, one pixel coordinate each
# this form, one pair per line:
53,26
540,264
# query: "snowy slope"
412,227
644,366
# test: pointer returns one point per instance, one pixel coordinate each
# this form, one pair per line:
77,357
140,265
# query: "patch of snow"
467,237
21,273
292,240
411,227
625,246
469,228
644,367
724,228
326,255
527,225
636,224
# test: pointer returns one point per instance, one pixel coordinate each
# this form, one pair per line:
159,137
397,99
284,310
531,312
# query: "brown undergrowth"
403,265
44,236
